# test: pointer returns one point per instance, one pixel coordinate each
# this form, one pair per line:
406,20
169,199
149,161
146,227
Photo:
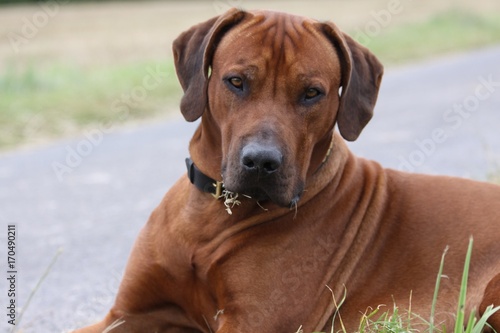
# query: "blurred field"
85,64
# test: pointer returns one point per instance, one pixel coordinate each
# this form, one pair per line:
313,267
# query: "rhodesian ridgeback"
277,222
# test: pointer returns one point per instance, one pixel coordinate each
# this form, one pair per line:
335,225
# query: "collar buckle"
218,189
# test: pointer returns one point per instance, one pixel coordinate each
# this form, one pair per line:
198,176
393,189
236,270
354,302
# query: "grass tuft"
397,321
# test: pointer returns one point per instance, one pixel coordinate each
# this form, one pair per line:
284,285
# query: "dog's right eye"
235,82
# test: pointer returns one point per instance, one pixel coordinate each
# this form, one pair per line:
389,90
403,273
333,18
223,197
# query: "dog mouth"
256,194
266,190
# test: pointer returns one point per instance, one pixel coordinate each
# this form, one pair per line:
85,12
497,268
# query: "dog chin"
261,195
280,192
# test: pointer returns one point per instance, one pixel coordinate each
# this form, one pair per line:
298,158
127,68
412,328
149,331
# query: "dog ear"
193,53
361,77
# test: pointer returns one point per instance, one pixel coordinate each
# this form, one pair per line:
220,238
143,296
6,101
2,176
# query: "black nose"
261,159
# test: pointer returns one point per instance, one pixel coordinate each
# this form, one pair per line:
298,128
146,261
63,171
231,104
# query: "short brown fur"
374,233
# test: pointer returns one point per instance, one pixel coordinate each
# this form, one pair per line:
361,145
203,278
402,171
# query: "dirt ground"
101,33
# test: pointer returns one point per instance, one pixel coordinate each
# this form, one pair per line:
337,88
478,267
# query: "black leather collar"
202,181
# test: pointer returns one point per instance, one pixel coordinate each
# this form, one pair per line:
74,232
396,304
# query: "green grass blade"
367,319
436,290
459,323
482,322
471,323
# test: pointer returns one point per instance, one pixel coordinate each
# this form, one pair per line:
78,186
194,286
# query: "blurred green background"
70,66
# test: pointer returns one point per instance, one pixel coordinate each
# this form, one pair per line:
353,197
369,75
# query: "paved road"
440,116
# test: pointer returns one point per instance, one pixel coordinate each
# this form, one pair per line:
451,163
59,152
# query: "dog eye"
311,93
236,82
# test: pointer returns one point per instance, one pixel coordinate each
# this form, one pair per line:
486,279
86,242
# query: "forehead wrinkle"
272,32
281,37
276,35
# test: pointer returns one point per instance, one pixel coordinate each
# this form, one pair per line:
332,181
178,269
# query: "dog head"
269,88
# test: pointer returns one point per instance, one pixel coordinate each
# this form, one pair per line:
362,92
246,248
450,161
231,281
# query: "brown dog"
303,214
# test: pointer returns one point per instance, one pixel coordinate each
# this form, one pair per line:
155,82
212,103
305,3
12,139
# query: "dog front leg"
492,297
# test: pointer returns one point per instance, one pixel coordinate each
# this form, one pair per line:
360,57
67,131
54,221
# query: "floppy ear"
361,76
193,53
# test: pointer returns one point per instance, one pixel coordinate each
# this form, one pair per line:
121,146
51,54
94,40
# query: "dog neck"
321,153
205,147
